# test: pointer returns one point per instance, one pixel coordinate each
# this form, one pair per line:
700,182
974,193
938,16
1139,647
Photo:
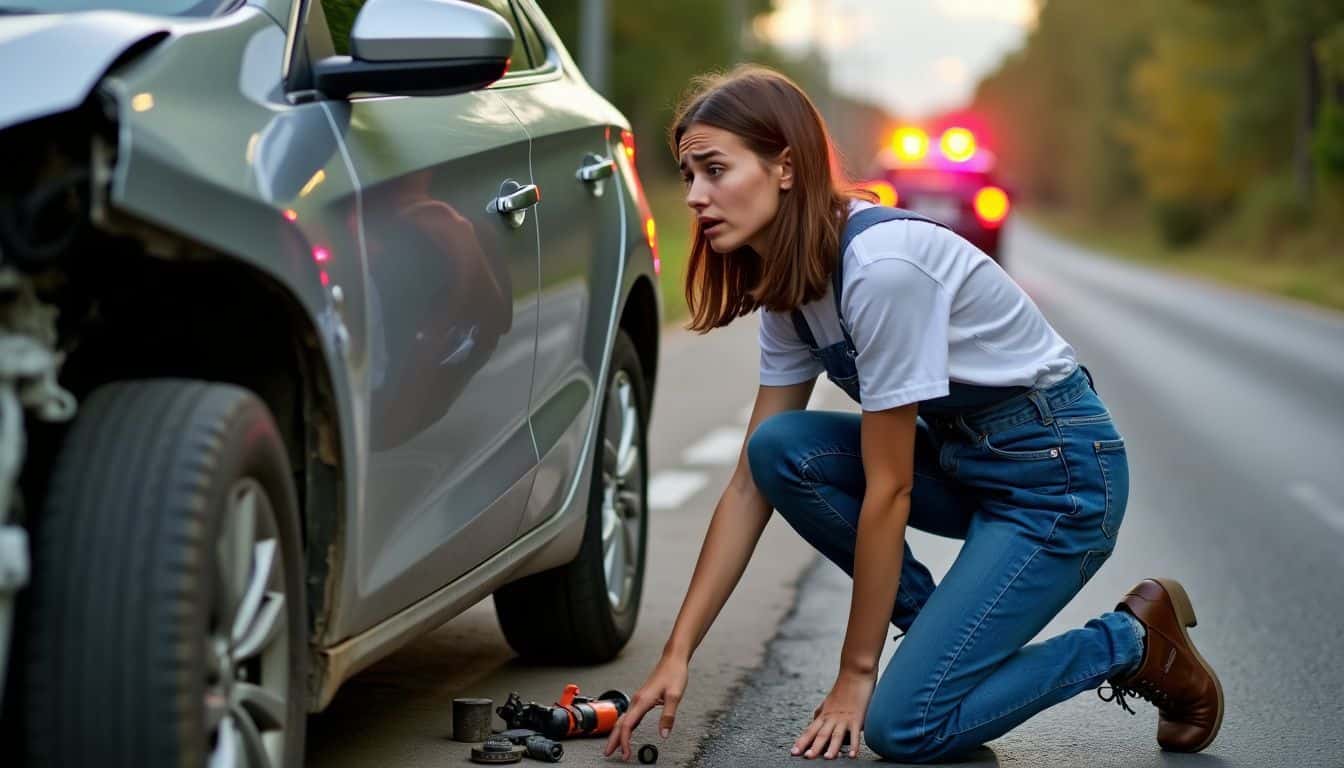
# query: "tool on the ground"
543,749
497,751
648,754
538,747
572,715
471,719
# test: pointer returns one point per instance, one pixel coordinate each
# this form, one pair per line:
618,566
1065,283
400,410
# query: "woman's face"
733,191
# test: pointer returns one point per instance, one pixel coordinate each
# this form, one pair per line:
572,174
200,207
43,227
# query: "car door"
452,309
580,221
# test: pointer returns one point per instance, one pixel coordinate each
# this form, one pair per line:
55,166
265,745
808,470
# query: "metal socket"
471,719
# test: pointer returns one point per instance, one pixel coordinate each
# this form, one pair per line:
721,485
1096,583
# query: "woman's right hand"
664,687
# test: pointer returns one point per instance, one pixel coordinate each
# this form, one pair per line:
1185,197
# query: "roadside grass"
1310,269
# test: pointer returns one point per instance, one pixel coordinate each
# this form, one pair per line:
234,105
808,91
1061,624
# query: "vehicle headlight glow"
910,144
957,144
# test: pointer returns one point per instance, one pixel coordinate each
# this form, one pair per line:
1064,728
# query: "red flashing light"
321,255
291,214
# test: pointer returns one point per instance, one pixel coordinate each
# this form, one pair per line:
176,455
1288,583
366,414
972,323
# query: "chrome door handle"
596,168
523,198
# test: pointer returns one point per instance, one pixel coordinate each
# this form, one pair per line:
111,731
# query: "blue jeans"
1036,487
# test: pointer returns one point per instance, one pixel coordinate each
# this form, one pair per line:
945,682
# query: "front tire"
585,612
168,624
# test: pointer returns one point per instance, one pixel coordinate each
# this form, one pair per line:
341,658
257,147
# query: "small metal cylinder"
471,719
648,754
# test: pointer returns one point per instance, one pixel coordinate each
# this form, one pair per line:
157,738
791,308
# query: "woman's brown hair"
770,113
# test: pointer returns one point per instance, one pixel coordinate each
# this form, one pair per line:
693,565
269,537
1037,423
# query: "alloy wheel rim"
247,677
622,491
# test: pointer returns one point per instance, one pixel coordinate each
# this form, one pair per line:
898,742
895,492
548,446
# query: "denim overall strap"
855,226
804,332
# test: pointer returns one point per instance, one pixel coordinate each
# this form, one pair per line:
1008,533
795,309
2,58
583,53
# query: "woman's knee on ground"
770,452
900,735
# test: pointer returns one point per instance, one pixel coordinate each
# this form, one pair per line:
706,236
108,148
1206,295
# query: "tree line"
657,47
1205,114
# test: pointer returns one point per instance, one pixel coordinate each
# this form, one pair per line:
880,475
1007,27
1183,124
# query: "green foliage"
1329,142
656,48
340,19
1179,223
1192,109
1329,139
1272,211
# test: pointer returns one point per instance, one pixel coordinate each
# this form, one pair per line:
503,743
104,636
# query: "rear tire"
585,612
168,624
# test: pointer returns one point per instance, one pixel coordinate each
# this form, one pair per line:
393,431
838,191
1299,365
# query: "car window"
518,60
340,18
534,45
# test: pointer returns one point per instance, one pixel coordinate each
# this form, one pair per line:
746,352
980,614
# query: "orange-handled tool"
573,715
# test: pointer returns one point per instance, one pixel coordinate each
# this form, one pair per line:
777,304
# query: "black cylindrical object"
648,754
619,698
471,719
543,749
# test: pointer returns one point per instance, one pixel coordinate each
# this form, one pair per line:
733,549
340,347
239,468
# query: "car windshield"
150,7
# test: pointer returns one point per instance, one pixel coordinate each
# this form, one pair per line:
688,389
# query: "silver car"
320,321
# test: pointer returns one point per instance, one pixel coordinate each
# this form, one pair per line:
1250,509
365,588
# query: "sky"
914,57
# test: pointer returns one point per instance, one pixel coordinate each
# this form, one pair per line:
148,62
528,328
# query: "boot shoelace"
1140,688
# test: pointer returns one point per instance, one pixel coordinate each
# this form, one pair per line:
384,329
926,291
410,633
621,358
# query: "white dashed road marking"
671,488
718,447
1317,502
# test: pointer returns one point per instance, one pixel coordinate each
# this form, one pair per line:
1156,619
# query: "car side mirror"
418,48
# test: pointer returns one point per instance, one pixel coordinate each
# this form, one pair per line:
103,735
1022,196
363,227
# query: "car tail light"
957,144
641,199
991,206
651,232
628,141
886,194
910,144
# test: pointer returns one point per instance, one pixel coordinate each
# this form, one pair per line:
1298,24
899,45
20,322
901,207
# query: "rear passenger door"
580,219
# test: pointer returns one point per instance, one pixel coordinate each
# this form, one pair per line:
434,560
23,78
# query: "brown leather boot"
1173,675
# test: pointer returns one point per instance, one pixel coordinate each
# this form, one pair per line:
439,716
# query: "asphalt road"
1233,410
399,712
1232,407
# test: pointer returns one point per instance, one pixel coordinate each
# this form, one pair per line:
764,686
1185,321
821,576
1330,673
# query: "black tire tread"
562,615
136,446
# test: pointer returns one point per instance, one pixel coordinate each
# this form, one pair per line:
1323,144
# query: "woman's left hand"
841,712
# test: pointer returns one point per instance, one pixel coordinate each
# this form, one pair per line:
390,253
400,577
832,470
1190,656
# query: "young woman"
977,423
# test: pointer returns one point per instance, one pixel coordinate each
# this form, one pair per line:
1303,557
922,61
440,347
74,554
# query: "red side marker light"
628,141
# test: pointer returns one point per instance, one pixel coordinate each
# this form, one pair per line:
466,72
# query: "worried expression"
733,192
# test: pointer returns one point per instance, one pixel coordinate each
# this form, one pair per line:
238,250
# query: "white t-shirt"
925,307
